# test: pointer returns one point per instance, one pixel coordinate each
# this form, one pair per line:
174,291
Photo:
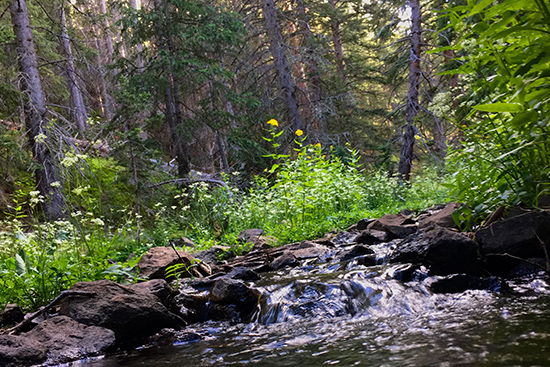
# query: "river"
357,316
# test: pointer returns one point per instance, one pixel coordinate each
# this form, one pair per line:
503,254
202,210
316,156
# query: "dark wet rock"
364,223
129,313
521,237
404,272
215,254
458,283
170,336
358,250
528,267
18,351
544,202
443,251
402,231
372,236
344,238
227,290
442,217
287,258
11,315
243,273
366,260
67,340
232,299
157,260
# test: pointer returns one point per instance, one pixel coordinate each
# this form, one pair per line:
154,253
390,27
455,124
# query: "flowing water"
334,314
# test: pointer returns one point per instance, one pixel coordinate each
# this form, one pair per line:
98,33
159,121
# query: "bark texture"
36,114
407,147
79,109
281,63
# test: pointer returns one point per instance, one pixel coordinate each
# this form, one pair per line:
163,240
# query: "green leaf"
21,267
499,107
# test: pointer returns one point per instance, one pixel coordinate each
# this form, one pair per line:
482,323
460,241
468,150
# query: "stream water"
333,314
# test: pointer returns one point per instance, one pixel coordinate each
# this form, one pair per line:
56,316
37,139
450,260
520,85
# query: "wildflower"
318,145
97,221
55,184
299,132
273,122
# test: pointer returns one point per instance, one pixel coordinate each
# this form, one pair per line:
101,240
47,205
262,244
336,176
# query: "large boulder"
395,225
231,299
442,217
443,251
154,264
131,314
18,351
523,236
67,340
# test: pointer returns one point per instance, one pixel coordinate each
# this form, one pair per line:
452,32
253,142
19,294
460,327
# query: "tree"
407,146
46,174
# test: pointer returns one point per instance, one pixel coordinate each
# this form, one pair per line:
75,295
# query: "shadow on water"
328,315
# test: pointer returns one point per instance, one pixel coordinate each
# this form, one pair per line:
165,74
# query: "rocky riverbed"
375,266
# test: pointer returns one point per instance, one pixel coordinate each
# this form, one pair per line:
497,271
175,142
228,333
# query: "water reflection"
366,318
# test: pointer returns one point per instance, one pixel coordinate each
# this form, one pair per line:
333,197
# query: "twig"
43,310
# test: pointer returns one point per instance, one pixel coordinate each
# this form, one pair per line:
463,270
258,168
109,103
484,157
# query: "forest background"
127,124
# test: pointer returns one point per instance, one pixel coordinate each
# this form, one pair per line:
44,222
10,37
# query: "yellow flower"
273,122
318,145
299,132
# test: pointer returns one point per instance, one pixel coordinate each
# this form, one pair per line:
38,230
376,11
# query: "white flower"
55,184
97,221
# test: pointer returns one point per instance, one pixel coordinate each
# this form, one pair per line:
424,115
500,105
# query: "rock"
157,260
442,218
521,236
390,220
344,238
158,287
214,254
444,251
67,340
243,273
372,236
233,300
129,313
363,224
18,351
459,283
184,242
286,259
356,251
402,231
248,235
11,315
396,225
366,260
544,202
530,267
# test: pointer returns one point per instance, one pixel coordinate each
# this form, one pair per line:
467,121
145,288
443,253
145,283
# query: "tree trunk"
317,128
281,63
337,43
407,147
47,176
139,46
79,112
174,113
